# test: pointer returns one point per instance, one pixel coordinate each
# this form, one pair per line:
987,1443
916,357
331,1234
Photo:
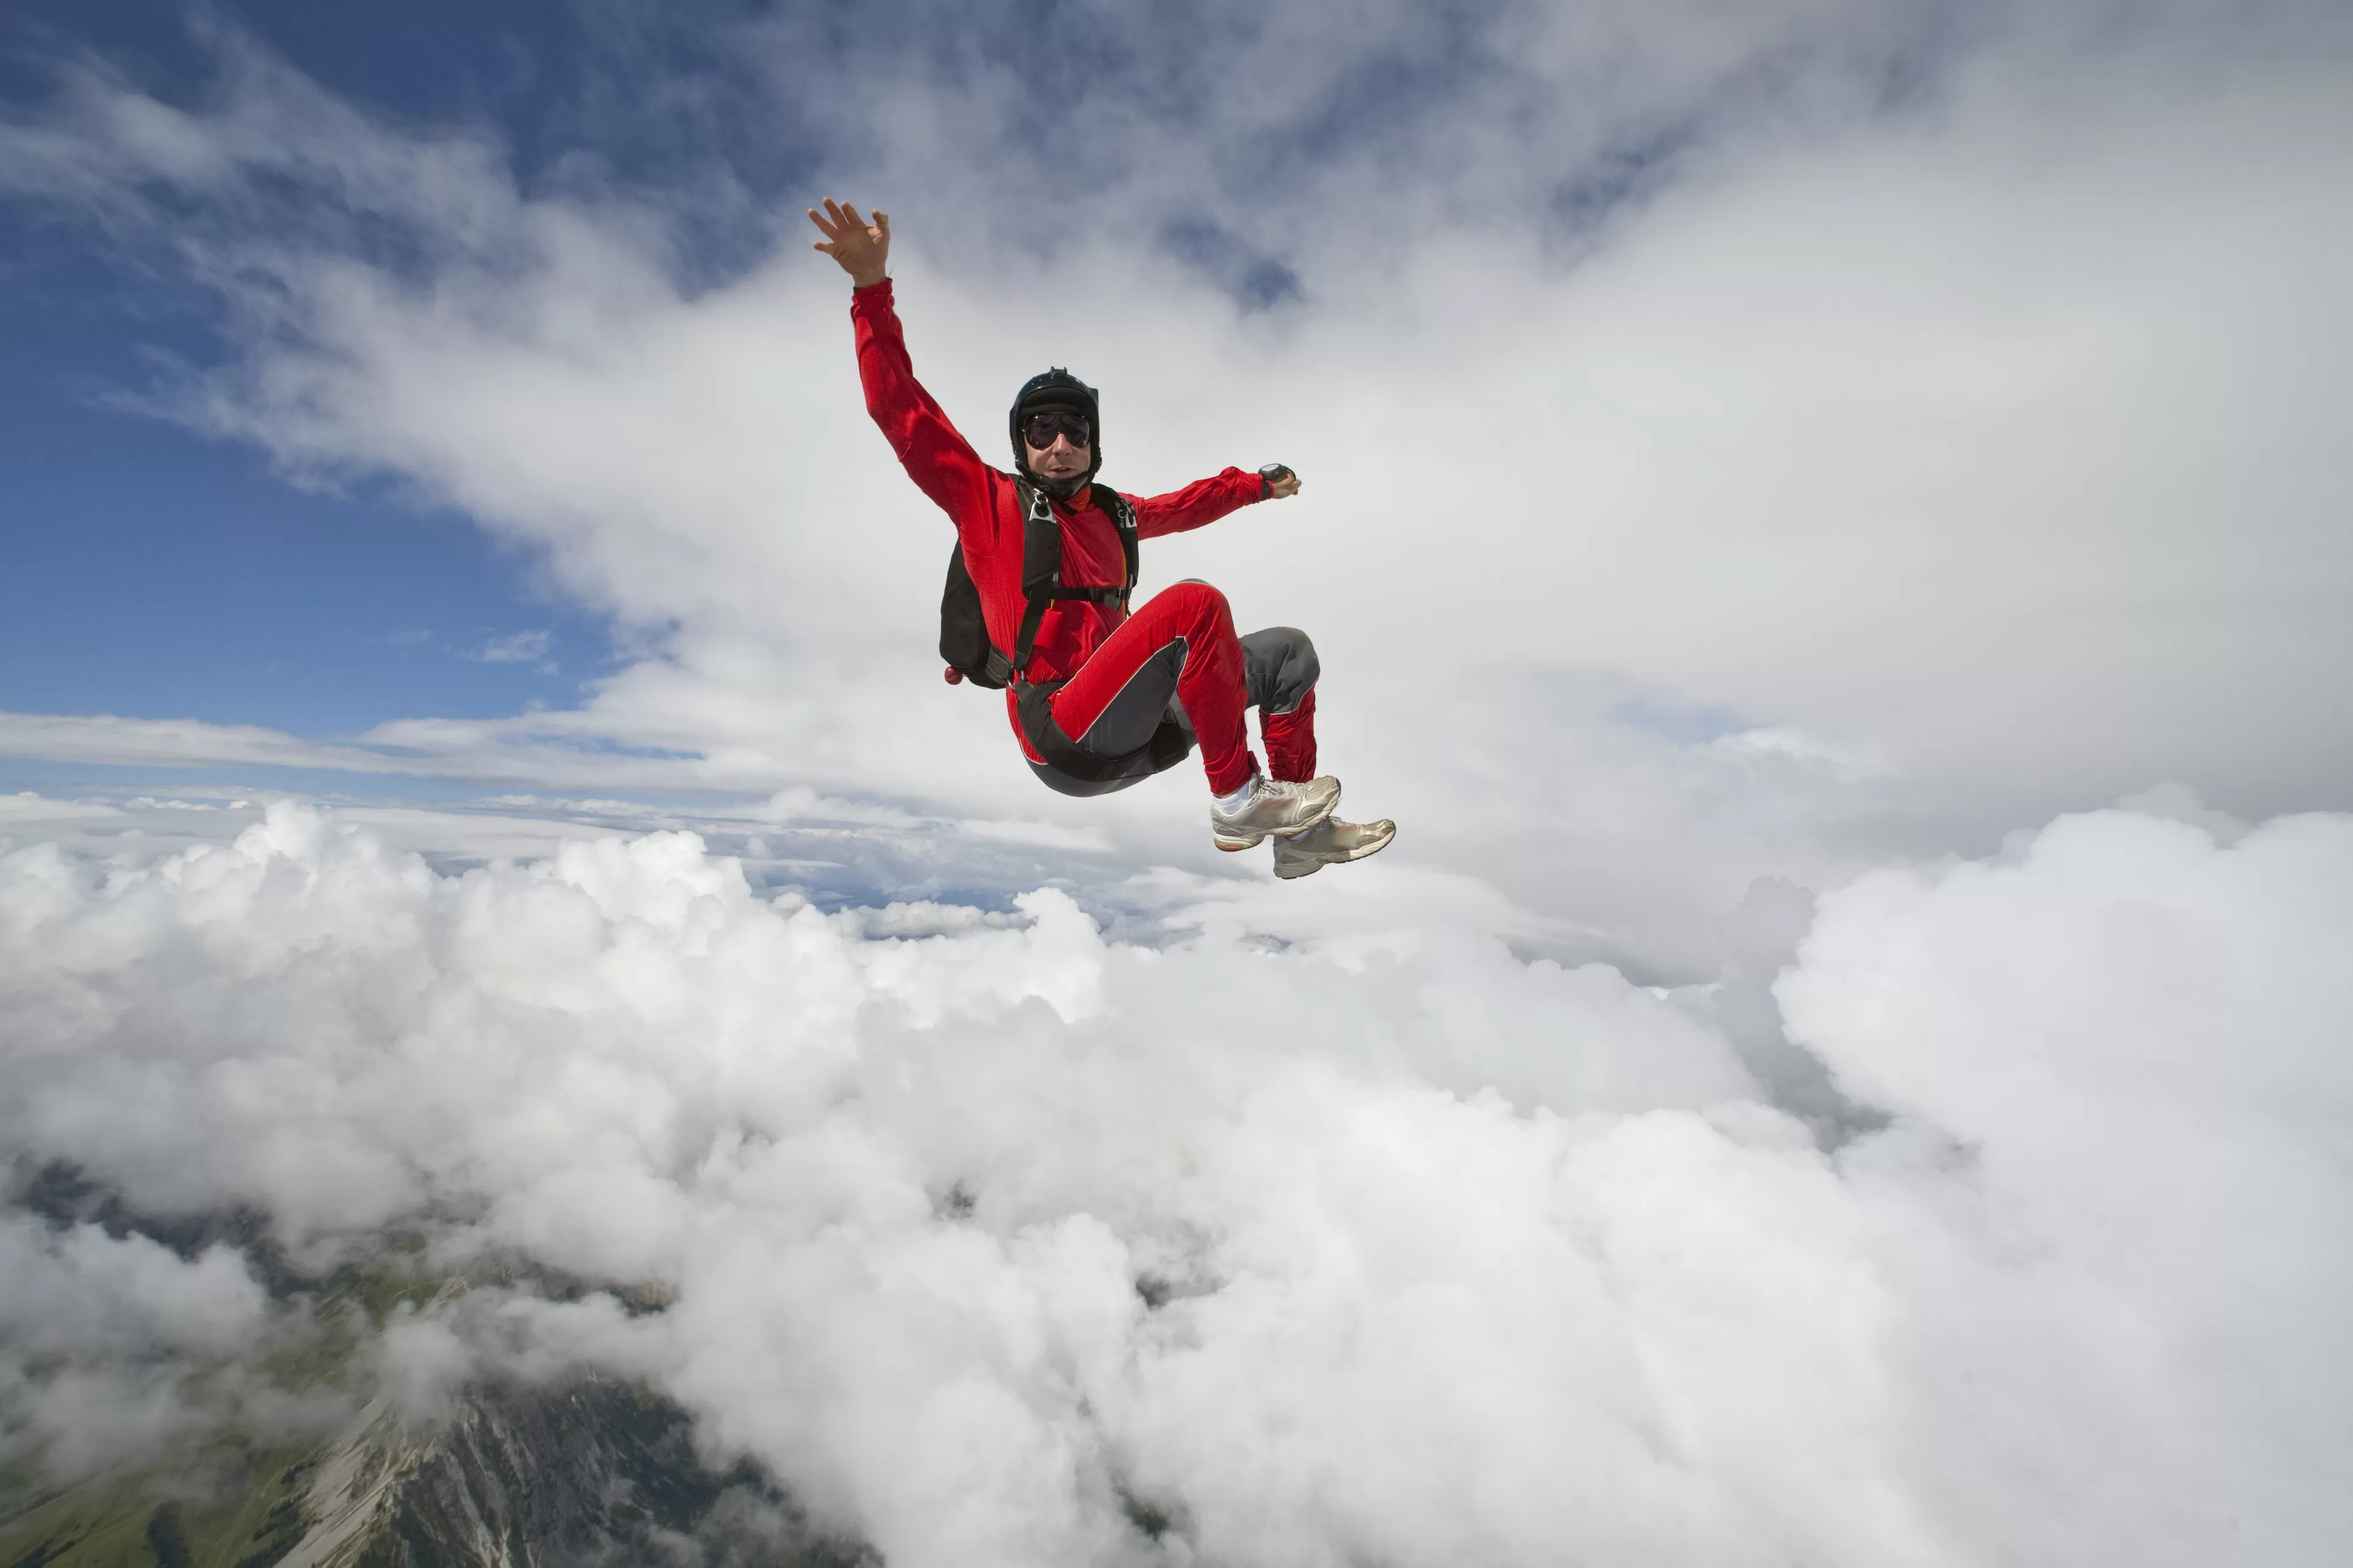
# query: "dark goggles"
1039,430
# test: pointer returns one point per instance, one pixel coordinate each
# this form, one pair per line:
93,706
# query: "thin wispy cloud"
518,647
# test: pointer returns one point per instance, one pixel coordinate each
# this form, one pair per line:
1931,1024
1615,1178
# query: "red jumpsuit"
1112,661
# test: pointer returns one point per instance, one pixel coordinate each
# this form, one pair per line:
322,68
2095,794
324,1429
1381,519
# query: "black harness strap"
1041,584
1041,564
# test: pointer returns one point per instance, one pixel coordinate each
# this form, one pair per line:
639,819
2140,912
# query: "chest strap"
1042,564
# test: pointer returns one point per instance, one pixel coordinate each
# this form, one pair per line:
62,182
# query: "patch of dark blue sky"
153,574
1257,281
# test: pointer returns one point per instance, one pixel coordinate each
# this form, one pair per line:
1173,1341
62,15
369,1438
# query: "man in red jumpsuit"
1107,698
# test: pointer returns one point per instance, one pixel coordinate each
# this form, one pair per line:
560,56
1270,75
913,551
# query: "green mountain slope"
591,1471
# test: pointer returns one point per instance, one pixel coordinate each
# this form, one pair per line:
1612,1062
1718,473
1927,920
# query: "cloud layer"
992,1236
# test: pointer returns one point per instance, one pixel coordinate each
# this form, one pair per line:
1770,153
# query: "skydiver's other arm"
1205,500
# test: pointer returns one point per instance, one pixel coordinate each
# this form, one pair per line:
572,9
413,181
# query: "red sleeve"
1202,501
939,459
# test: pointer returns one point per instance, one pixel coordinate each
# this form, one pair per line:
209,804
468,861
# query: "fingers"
839,218
850,240
836,218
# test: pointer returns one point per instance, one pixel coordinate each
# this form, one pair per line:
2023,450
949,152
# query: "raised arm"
928,445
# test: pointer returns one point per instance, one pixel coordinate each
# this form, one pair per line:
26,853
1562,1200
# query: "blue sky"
163,573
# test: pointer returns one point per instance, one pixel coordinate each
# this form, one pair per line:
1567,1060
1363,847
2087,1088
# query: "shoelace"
1261,785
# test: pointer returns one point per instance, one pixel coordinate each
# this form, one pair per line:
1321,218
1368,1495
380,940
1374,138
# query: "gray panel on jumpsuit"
1279,666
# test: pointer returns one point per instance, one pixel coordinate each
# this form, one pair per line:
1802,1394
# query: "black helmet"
1056,389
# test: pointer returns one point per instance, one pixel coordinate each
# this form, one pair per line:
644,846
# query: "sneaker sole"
1292,871
1234,844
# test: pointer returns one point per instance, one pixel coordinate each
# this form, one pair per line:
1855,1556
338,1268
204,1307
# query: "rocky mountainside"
588,1472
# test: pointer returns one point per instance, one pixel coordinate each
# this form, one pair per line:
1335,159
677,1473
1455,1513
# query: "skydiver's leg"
1280,668
1281,671
1181,642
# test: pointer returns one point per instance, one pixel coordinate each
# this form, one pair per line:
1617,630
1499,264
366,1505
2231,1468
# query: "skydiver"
1037,590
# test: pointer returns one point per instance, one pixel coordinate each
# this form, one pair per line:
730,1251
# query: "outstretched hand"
1281,482
862,249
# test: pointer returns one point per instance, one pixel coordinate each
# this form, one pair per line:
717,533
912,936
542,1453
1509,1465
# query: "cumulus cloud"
991,1235
2153,1130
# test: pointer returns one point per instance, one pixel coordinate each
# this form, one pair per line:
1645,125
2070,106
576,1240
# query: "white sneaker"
1329,843
1273,806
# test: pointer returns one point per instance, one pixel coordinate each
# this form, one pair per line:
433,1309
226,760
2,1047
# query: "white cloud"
78,1288
1325,1249
24,806
171,742
1855,761
2132,1039
1054,834
518,647
98,1333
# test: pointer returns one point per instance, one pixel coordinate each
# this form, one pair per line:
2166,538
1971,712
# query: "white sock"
1230,804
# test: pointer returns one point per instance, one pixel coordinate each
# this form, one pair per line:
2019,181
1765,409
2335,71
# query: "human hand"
862,250
1281,482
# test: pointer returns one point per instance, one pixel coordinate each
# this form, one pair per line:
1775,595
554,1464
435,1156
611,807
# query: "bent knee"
1291,644
1199,597
1283,667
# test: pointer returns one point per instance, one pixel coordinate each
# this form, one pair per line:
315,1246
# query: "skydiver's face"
1069,448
